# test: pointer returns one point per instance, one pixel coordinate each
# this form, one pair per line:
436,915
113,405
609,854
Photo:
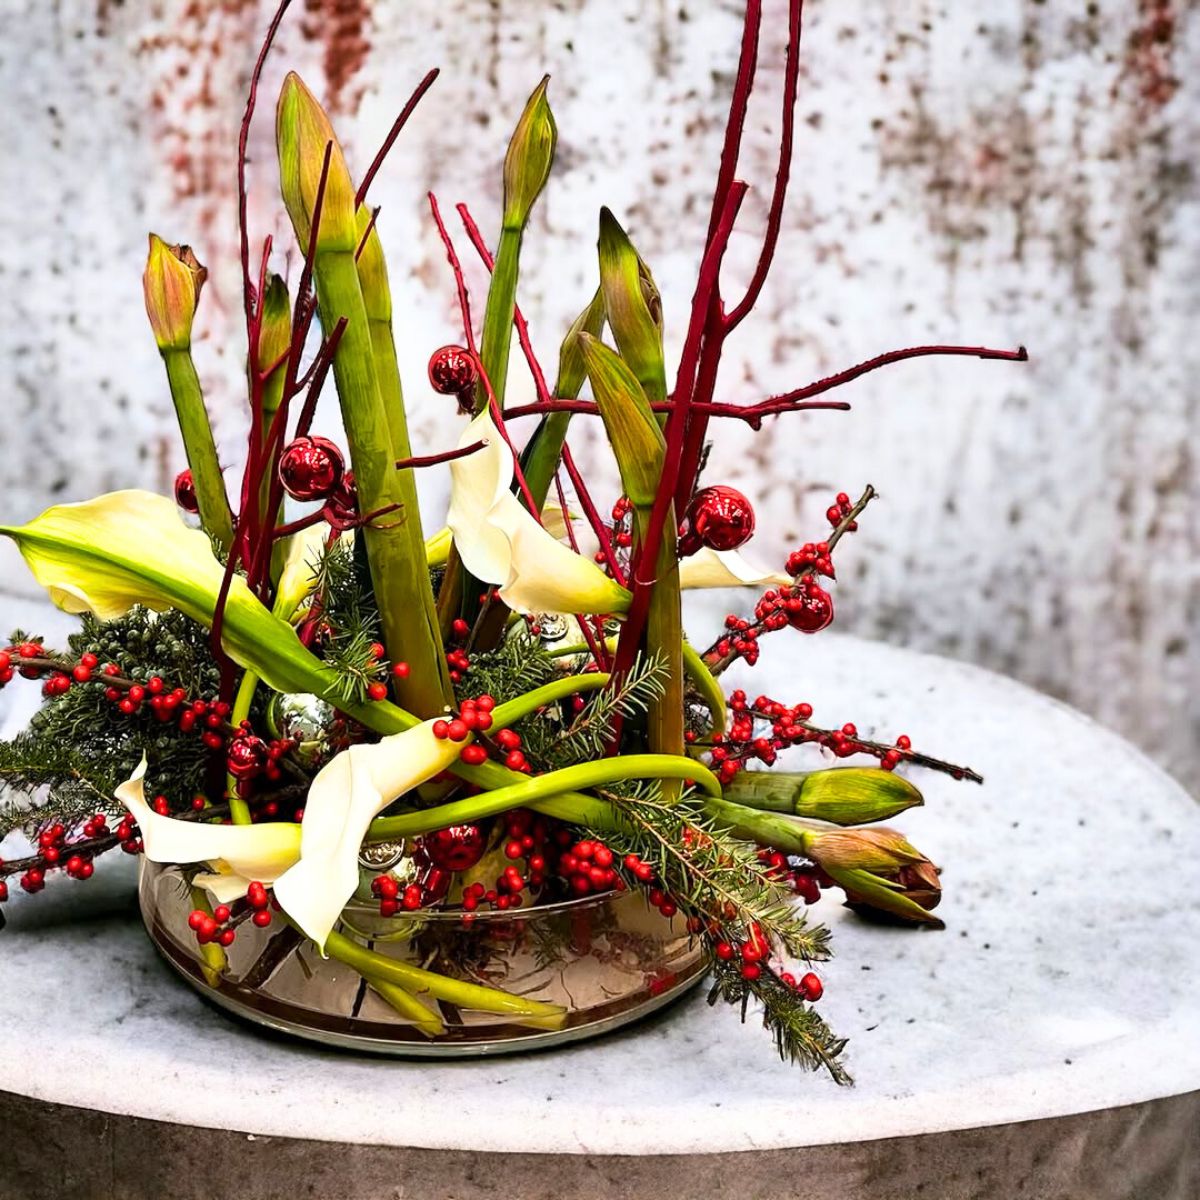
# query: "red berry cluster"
457,658
839,510
587,866
526,836
805,880
789,726
249,757
221,924
72,851
811,557
392,898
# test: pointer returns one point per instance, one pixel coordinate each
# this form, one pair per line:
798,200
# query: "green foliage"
718,879
79,746
350,617
518,665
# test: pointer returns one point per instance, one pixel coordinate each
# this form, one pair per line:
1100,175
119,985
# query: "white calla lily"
501,543
301,557
235,854
709,568
344,798
125,548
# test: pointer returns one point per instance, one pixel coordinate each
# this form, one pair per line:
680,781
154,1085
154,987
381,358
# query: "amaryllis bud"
879,870
633,305
530,153
839,795
302,131
172,282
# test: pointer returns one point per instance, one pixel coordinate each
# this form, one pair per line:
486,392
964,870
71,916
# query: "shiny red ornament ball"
246,757
457,848
310,468
811,610
185,492
451,370
718,517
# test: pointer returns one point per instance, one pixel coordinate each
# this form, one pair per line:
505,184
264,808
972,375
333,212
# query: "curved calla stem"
553,783
465,995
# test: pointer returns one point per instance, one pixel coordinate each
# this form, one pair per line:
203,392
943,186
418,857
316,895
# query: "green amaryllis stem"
495,342
199,446
706,684
542,453
575,778
401,585
408,1006
764,828
377,303
441,987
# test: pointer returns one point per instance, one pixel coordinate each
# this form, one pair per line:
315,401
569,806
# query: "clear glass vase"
606,959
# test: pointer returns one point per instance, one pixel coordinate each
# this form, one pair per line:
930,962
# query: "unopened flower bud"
879,870
855,795
302,132
172,282
530,153
633,305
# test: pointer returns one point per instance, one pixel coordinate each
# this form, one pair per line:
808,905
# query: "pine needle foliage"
518,665
79,747
350,620
718,880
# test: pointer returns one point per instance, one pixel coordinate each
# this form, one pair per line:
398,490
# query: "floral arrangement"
262,695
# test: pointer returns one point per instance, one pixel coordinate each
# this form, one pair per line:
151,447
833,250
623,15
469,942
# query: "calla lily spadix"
235,854
345,797
501,543
709,568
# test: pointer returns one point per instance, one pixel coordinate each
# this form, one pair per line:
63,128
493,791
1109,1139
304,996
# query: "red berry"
310,468
474,755
377,691
262,918
185,492
400,670
811,986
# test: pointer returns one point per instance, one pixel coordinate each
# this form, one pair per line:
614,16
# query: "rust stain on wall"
341,26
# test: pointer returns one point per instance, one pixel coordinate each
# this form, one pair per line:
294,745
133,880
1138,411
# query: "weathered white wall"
1001,173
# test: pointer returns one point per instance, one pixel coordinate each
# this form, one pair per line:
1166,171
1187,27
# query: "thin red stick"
592,514
791,76
432,460
243,139
362,241
464,300
773,403
599,651
315,377
750,414
393,133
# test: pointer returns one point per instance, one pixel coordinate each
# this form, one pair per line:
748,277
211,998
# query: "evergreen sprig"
518,665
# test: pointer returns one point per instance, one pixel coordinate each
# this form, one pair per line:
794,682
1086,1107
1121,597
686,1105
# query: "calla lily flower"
709,568
297,579
131,547
437,547
345,797
235,854
501,543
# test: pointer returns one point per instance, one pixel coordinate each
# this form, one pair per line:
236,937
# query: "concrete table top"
1067,983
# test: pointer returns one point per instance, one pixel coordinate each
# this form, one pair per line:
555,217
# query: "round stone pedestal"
1045,1044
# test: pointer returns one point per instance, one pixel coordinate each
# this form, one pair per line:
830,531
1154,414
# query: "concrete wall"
1001,173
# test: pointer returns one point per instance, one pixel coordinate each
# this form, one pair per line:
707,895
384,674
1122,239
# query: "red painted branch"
464,299
590,511
432,460
248,300
393,134
784,399
791,75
